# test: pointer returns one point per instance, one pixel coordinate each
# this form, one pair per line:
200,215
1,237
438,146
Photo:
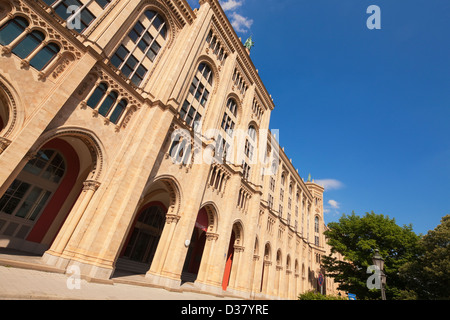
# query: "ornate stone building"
133,136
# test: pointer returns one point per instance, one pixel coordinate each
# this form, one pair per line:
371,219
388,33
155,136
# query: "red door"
229,264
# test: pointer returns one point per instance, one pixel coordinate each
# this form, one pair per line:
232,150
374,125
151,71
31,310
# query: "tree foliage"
356,238
312,295
429,275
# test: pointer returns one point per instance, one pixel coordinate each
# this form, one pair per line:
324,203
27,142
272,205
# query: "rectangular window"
119,57
103,3
12,196
136,32
184,109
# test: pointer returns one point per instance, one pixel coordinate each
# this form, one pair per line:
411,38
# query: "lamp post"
379,262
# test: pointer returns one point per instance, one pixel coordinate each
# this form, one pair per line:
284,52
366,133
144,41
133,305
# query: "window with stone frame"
196,102
27,196
229,119
78,14
107,103
138,51
28,44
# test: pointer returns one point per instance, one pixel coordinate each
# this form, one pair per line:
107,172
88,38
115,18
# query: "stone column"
206,257
164,245
265,286
234,277
66,232
255,275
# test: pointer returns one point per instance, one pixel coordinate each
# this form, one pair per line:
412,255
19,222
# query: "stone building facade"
134,136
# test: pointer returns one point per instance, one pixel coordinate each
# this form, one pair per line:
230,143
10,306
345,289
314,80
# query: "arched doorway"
145,247
233,256
39,197
196,247
23,202
229,263
144,239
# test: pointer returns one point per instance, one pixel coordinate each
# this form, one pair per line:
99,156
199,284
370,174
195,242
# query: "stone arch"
160,9
279,258
59,167
212,64
11,114
235,249
268,252
239,106
172,186
256,247
90,140
255,126
213,216
238,229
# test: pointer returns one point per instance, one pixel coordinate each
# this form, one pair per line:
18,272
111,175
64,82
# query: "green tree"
356,238
429,275
312,295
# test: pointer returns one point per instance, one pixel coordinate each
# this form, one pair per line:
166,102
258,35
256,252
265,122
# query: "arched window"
267,256
138,51
28,44
180,151
108,103
230,117
78,14
316,224
44,56
12,29
118,111
283,178
97,95
279,261
28,194
252,132
197,100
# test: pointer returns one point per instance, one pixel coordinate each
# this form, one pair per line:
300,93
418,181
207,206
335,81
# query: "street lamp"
379,262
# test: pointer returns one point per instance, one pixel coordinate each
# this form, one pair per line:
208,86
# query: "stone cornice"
184,11
236,44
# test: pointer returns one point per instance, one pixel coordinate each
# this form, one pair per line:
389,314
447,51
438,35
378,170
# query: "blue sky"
366,112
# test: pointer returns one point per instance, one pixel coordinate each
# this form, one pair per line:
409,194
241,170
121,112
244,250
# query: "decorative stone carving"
91,185
4,143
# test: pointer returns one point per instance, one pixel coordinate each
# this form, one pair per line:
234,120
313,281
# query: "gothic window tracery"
107,103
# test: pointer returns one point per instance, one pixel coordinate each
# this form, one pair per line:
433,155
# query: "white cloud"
240,23
330,184
230,5
331,209
334,204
